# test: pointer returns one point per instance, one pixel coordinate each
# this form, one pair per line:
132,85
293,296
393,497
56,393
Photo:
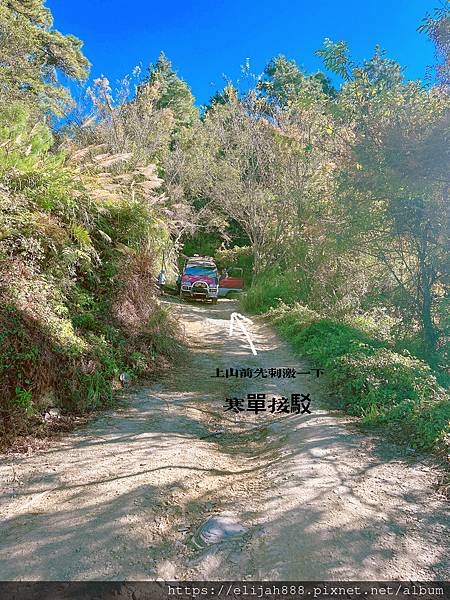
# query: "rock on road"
172,486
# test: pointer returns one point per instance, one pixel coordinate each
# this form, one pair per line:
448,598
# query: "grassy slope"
371,380
78,263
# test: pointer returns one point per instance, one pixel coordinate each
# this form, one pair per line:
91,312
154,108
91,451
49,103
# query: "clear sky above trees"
206,40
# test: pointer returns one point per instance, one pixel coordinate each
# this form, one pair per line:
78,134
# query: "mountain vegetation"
333,197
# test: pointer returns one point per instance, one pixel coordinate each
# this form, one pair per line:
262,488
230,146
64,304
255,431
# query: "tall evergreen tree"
32,54
173,92
283,81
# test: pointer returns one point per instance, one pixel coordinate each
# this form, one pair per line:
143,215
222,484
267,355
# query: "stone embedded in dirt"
124,378
218,528
52,413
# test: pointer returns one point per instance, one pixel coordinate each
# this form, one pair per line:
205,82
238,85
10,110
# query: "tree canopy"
335,198
33,54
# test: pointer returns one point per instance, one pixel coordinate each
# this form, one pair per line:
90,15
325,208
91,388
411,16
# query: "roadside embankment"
386,388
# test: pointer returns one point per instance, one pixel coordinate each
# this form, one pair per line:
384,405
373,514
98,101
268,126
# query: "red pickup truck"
200,279
231,280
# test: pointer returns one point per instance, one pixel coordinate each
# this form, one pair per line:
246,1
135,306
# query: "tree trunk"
426,282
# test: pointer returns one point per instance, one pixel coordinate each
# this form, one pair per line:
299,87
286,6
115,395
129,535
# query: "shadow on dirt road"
172,486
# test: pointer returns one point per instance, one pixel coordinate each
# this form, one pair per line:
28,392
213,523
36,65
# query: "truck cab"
200,279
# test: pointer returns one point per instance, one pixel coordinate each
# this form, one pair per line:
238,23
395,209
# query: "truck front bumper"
199,292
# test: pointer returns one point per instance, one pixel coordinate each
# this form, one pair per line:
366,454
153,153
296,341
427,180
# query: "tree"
173,92
222,97
229,162
437,27
269,175
32,54
283,81
395,192
122,121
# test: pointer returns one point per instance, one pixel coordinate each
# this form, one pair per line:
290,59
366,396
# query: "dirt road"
172,486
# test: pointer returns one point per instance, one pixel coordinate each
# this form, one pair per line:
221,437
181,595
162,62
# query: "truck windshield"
204,271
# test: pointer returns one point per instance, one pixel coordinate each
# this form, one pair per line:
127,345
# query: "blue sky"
207,40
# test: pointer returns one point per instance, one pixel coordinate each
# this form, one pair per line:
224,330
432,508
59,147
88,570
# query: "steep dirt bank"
171,486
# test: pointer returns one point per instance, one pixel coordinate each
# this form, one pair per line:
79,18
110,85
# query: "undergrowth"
371,379
78,262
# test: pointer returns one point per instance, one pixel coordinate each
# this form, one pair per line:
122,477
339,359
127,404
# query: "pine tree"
173,92
33,54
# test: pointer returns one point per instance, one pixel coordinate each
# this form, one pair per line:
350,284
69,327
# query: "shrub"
238,256
269,290
387,388
78,301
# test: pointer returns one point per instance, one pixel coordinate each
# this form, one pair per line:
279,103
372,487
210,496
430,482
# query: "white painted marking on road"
240,320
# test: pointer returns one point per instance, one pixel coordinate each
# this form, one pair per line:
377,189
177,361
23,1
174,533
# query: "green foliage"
437,27
237,256
284,82
78,303
392,197
173,92
393,390
32,55
202,243
270,289
336,56
222,97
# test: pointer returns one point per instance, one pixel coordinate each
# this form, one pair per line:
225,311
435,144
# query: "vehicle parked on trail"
231,280
200,279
